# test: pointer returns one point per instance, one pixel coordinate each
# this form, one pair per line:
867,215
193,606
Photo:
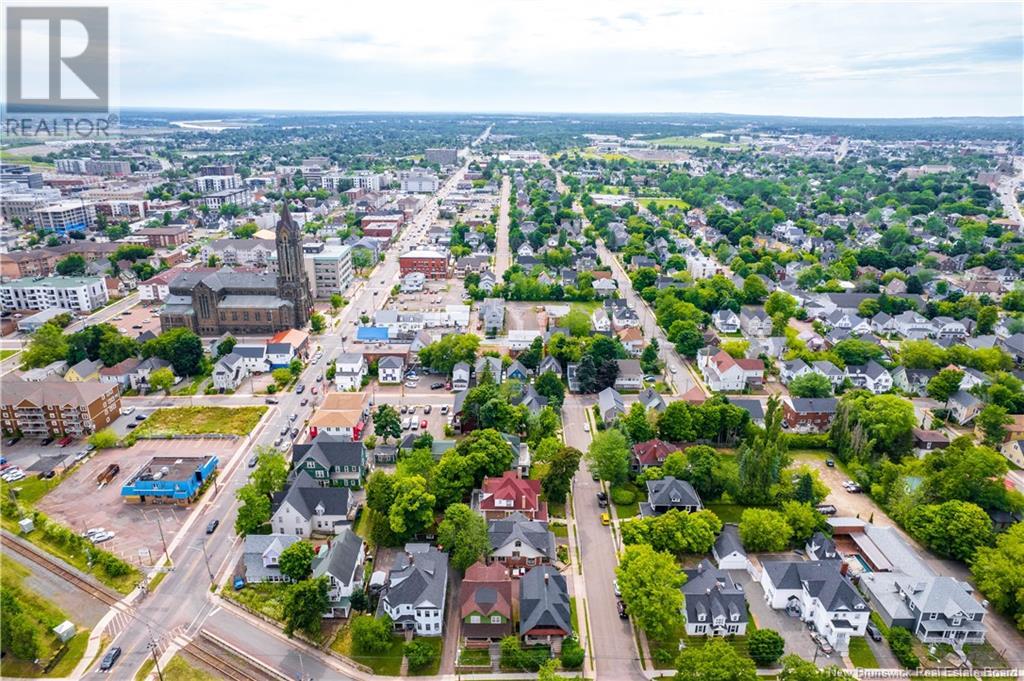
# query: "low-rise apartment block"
57,407
81,294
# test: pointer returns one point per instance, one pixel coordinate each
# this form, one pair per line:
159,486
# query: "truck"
108,474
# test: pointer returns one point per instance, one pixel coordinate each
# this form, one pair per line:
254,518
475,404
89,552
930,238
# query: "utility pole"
163,541
152,649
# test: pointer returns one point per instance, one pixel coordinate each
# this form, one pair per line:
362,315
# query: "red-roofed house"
499,497
724,373
652,453
485,604
694,395
299,340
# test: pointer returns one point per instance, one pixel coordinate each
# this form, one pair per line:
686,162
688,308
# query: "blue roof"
372,333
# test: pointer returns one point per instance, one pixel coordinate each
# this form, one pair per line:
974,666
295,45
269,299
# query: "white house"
871,376
416,591
349,371
390,369
600,320
261,556
728,549
522,339
306,508
341,562
726,321
229,372
724,373
817,592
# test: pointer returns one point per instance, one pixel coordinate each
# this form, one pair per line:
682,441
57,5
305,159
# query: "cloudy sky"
822,59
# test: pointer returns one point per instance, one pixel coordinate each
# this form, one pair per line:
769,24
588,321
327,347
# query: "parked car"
873,632
586,427
101,537
212,526
413,408
140,417
404,409
299,389
615,587
426,410
602,500
831,463
295,433
826,509
621,607
304,402
93,531
293,418
253,460
109,659
313,390
80,455
284,430
45,441
606,519
127,410
133,425
444,410
271,400
13,441
436,386
423,424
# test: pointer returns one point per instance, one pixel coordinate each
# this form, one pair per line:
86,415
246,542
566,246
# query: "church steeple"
291,275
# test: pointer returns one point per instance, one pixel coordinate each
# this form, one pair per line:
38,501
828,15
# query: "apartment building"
419,182
240,197
216,183
54,406
89,166
367,181
433,264
42,261
164,237
21,174
444,157
82,294
18,202
328,268
65,216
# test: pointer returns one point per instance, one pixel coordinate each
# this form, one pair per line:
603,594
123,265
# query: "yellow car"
606,519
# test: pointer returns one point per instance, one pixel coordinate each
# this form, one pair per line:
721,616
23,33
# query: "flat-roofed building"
65,216
81,294
55,406
328,268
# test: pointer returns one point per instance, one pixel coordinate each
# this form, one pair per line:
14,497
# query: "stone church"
244,303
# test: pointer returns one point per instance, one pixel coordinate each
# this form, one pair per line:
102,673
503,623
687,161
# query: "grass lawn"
267,598
388,663
475,657
985,656
43,615
586,307
31,489
665,651
431,669
727,513
689,142
574,616
663,202
4,354
861,654
201,420
145,669
559,530
155,582
556,510
180,670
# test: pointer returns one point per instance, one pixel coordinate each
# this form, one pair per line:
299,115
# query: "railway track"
99,593
203,652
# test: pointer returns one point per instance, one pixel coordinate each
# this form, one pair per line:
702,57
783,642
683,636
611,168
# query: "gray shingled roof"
530,532
341,559
821,579
419,577
304,494
713,593
544,600
729,541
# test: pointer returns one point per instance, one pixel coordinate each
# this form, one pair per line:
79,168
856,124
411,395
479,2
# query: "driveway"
791,629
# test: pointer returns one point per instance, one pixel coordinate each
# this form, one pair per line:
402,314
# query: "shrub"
572,654
901,640
622,496
420,654
370,634
765,646
272,388
806,440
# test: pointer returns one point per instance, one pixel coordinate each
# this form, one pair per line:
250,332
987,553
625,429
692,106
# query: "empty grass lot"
388,663
200,421
688,142
861,654
267,598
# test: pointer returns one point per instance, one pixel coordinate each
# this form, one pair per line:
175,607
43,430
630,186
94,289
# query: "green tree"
317,323
296,561
420,654
717,660
944,384
675,531
763,529
549,385
780,303
955,528
649,361
254,513
271,471
531,357
557,482
226,346
763,457
803,519
765,646
161,379
47,345
998,574
181,347
104,439
650,583
442,355
687,336
386,422
463,534
810,384
608,456
754,290
71,266
336,302
413,508
305,605
577,322
992,420
637,424
795,668
115,347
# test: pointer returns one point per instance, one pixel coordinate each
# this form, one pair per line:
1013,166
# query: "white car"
127,410
102,537
586,427
94,531
14,476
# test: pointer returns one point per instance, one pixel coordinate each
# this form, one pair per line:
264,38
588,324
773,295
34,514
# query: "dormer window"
700,617
957,620
319,509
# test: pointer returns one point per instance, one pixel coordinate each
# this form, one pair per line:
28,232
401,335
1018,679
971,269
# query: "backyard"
173,421
388,663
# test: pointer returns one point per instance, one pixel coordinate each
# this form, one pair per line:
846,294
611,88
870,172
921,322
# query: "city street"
502,253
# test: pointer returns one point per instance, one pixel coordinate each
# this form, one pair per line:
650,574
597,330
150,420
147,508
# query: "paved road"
181,605
611,638
502,254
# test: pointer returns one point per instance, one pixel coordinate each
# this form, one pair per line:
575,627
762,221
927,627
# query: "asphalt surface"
502,252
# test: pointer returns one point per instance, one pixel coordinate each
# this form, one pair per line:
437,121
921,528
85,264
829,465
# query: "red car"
423,424
64,441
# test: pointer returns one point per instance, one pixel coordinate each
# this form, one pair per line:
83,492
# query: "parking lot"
434,296
137,320
435,419
80,503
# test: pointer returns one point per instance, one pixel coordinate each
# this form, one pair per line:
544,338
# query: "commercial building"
168,478
433,264
444,157
54,406
240,252
241,197
89,166
65,216
18,202
21,174
82,294
328,268
419,182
